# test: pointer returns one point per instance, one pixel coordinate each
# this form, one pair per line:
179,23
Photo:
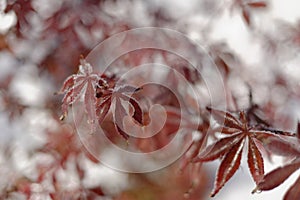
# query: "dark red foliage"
84,84
98,94
279,175
230,147
281,145
119,95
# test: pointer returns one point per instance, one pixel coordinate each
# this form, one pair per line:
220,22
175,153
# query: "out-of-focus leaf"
246,16
277,177
258,4
278,145
294,191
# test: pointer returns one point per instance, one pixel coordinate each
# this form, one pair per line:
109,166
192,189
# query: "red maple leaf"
83,84
286,146
120,95
230,148
98,94
278,176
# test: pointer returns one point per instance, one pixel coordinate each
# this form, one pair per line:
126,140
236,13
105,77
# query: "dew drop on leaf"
256,191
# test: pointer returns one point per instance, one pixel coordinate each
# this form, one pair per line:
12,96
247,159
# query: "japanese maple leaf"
276,177
118,95
230,148
83,84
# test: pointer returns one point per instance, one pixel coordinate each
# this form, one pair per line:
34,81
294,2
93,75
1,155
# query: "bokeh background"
41,43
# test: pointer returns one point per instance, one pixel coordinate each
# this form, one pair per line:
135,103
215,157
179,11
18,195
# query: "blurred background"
254,43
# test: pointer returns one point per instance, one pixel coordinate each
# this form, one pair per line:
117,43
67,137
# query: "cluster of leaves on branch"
234,132
259,139
99,93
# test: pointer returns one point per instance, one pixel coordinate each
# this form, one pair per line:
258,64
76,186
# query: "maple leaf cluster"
235,131
289,147
238,132
98,93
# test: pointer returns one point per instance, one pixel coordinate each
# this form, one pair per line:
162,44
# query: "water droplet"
256,190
